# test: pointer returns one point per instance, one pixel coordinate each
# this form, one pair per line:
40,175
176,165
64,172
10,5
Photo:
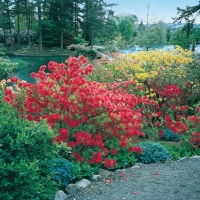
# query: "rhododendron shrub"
86,115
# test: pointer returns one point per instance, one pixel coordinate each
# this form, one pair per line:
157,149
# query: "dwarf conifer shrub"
152,153
61,170
169,135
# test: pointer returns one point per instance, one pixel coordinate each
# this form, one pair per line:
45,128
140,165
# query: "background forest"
60,23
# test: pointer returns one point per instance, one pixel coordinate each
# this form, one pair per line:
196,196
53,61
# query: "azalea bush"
90,117
145,65
164,87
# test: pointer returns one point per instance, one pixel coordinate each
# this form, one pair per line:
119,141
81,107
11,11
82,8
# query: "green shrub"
170,136
180,151
79,40
61,171
25,152
7,67
152,153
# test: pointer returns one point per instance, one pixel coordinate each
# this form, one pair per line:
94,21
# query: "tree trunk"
61,40
92,39
9,24
39,24
193,45
28,25
18,24
76,18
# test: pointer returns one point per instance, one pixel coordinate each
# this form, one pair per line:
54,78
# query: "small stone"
83,183
60,195
96,177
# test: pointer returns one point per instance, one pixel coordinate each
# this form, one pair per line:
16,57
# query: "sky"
159,9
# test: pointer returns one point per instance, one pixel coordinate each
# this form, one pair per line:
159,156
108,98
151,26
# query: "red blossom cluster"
109,163
84,114
136,149
195,140
171,90
175,126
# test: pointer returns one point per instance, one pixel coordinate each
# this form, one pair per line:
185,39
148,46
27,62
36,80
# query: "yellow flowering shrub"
145,65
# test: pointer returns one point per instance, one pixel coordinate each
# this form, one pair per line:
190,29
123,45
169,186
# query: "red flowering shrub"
195,140
109,163
84,114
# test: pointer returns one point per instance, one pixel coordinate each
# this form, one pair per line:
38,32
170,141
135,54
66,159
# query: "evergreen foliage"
61,171
170,136
152,153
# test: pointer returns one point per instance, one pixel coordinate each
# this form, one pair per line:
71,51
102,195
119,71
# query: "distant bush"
78,40
152,153
91,54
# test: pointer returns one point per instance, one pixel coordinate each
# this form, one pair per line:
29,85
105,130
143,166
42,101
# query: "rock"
96,177
83,183
196,157
10,41
60,195
72,189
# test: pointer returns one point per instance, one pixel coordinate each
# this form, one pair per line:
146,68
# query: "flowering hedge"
96,120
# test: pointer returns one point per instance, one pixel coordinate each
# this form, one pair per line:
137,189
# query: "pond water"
137,48
33,64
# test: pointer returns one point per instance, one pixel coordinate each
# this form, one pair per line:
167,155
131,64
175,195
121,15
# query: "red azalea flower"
113,151
78,157
97,158
109,163
123,143
14,79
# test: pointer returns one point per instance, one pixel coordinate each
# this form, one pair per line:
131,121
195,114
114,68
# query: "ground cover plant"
103,114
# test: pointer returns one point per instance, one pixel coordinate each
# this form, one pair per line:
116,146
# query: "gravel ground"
179,180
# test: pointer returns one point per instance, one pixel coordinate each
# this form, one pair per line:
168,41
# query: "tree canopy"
188,13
